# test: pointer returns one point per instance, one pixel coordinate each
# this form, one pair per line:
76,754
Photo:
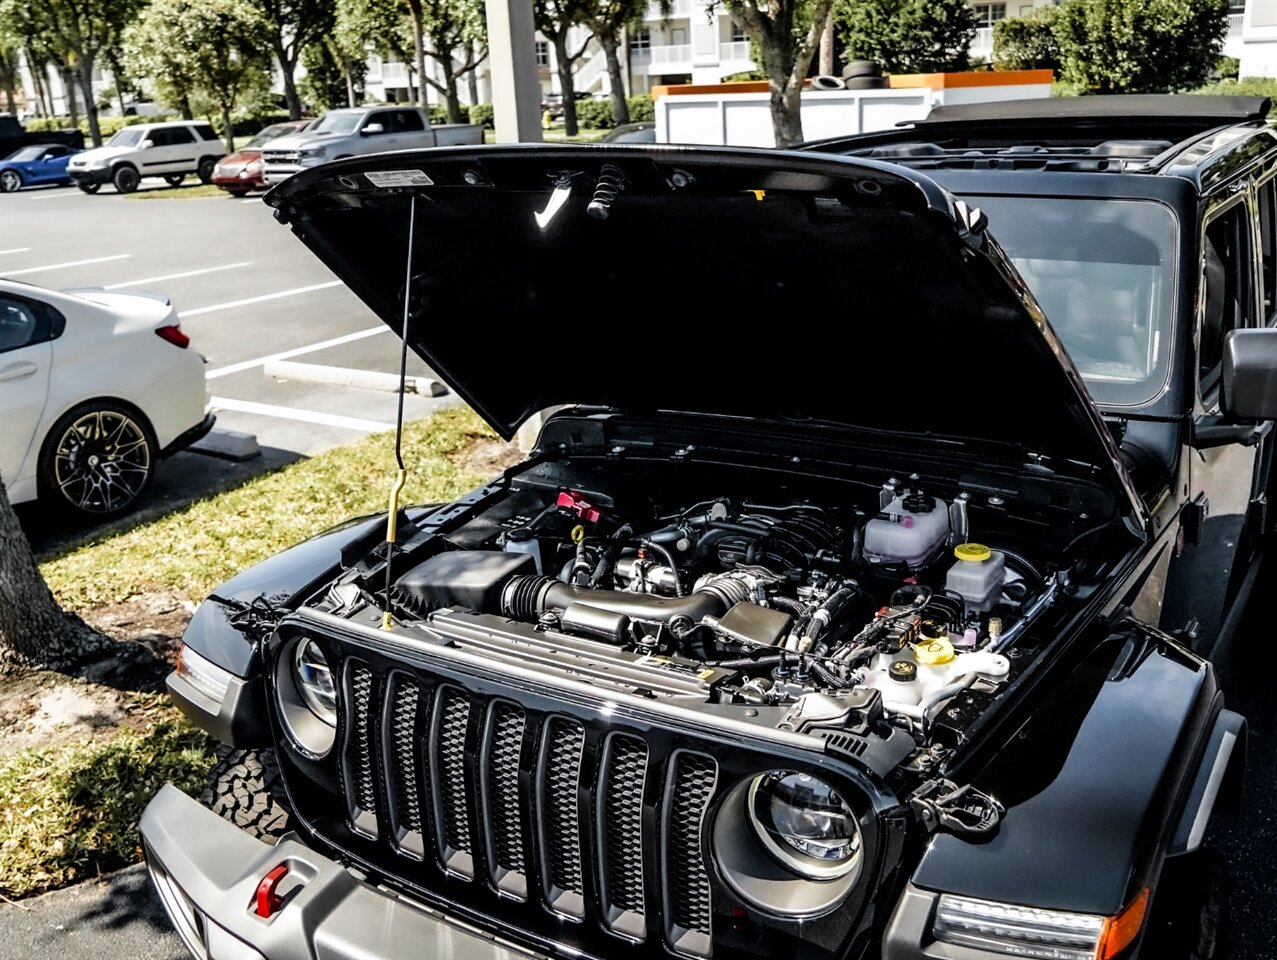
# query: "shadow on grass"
179,481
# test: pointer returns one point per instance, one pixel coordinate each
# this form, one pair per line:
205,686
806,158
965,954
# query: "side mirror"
371,128
146,145
1249,375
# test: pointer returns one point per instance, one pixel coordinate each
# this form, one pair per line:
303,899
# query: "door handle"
15,371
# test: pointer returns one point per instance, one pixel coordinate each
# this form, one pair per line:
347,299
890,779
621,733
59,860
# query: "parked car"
240,173
13,135
553,103
360,130
832,639
643,131
40,164
169,150
96,388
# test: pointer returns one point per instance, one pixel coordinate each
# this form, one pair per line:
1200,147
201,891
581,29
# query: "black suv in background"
876,626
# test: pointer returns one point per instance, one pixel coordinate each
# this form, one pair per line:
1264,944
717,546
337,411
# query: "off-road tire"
1190,919
245,788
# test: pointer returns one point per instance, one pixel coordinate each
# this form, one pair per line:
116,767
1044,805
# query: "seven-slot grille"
535,806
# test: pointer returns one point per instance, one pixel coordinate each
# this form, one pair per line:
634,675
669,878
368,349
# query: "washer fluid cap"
972,552
934,652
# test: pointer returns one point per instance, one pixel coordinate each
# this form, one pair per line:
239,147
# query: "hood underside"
732,282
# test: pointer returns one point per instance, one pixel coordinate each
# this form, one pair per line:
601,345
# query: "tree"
1140,46
607,19
787,33
1028,42
9,74
81,31
555,19
155,47
908,36
454,35
292,26
34,631
380,25
330,82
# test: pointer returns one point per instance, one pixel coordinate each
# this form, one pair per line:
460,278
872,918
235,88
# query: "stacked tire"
863,75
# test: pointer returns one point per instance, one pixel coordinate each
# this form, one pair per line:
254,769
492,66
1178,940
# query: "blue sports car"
39,163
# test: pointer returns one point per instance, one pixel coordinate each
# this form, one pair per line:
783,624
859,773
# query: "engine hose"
789,604
830,609
825,675
669,562
770,660
526,598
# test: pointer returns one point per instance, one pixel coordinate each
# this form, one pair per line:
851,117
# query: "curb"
228,445
349,377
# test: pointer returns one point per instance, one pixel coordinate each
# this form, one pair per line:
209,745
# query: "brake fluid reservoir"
977,576
909,530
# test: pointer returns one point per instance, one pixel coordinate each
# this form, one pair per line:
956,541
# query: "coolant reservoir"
909,530
977,576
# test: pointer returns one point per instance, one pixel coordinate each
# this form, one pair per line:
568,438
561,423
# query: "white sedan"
95,388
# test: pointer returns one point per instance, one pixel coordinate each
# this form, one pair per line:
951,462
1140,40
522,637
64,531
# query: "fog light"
202,674
1018,931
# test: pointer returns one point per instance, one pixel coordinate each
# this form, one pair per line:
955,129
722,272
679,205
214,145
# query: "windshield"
27,153
272,132
128,137
336,123
1104,272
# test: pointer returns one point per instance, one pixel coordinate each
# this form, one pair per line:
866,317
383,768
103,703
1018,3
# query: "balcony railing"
394,71
982,44
671,53
1235,25
736,50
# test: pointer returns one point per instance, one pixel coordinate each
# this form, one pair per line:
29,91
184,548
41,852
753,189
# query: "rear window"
205,132
1104,273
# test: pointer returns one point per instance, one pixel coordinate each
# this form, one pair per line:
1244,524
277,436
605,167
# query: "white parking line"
51,195
305,416
14,250
251,200
264,297
295,352
68,263
172,276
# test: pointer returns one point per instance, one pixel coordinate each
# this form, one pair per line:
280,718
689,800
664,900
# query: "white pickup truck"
359,130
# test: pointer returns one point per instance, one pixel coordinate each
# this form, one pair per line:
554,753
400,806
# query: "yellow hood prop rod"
401,474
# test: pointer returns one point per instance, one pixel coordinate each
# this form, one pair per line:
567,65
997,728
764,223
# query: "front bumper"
90,174
206,871
278,173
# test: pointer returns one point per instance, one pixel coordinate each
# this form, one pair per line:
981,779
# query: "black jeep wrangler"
849,608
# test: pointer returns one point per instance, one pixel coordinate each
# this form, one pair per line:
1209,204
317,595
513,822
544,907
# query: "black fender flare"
1106,778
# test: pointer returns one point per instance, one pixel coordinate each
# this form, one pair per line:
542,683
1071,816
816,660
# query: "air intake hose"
526,598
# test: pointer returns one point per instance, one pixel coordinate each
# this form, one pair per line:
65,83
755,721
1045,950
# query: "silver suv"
169,150
360,130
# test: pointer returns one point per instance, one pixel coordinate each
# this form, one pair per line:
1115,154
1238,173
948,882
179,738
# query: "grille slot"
688,906
620,841
504,818
357,755
448,767
559,780
402,766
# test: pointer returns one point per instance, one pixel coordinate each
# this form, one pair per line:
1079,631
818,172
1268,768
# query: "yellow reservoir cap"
934,652
972,552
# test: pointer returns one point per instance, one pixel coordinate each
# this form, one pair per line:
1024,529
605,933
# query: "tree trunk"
472,76
451,98
787,117
620,109
228,129
349,74
827,47
184,107
34,631
419,55
288,69
85,72
567,83
68,87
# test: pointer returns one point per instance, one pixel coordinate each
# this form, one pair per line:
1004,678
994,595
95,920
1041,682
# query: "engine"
819,608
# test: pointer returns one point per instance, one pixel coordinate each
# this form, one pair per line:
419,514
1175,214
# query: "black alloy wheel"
98,460
126,180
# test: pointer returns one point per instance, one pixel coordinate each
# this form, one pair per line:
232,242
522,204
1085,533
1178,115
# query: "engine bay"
878,609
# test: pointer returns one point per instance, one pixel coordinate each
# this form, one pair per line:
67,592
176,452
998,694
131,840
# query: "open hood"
732,282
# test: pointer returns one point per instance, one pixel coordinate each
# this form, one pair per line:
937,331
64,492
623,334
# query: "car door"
386,138
1226,479
53,164
184,150
27,329
157,158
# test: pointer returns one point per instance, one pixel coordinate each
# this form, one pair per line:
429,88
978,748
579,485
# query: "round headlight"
315,681
805,824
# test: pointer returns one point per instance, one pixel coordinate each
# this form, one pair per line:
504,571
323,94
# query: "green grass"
69,813
184,192
556,135
192,550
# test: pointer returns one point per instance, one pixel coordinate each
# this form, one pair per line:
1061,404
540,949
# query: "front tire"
245,788
1190,920
98,460
174,179
126,180
205,171
10,181
86,187
238,194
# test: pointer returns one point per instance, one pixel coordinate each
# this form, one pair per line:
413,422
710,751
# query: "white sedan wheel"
98,460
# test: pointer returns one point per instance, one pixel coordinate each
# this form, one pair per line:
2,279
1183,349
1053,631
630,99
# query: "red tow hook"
267,900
